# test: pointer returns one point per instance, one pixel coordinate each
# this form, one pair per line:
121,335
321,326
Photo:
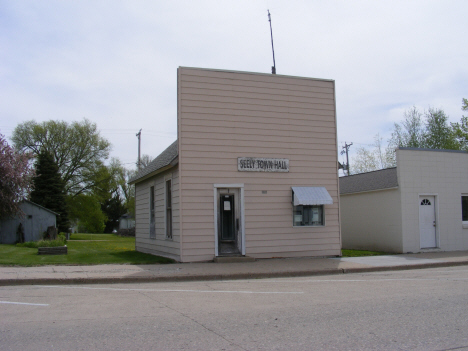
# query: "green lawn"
360,253
107,249
96,237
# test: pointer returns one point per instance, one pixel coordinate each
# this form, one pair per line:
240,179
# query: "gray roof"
376,180
164,159
44,208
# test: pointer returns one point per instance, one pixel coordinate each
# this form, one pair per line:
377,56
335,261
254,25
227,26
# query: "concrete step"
233,259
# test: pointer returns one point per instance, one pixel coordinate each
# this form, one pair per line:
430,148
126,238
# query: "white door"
427,222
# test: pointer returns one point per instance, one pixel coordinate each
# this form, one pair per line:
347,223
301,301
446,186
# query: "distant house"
253,172
421,205
35,222
126,221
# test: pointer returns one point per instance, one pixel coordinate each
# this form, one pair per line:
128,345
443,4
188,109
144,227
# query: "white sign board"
257,164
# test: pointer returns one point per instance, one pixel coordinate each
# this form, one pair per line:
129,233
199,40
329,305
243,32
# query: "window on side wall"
168,209
152,214
464,203
308,215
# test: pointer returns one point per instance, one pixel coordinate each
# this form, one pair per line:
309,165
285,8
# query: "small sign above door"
256,164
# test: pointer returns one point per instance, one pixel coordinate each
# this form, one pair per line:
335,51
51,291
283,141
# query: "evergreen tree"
49,189
113,208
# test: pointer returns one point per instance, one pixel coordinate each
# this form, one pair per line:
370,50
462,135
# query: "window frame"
168,211
152,214
301,208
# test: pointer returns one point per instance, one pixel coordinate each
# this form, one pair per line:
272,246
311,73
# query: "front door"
229,238
427,222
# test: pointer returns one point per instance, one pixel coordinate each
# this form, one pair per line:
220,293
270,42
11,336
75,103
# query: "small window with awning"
311,195
308,209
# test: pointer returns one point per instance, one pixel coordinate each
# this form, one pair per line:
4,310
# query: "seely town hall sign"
257,164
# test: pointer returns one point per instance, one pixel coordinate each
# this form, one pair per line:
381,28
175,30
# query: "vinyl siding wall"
159,246
225,115
33,227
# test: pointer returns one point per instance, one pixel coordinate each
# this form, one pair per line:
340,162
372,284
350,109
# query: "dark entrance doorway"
228,223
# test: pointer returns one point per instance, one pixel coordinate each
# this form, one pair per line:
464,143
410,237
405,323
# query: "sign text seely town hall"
256,164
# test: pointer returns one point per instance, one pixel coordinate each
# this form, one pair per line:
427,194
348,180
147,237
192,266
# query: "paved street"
411,310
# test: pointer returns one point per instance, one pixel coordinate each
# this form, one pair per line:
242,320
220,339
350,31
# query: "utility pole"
345,151
273,68
139,146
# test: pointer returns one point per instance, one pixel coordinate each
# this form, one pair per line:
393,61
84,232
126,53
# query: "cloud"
115,62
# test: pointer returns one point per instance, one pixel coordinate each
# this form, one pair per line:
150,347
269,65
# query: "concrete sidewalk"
225,271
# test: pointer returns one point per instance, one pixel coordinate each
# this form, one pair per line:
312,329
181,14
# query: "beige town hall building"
253,171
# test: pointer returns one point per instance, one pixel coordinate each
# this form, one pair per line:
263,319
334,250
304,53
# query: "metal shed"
35,222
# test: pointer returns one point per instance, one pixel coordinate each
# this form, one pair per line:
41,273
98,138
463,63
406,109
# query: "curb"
228,276
405,267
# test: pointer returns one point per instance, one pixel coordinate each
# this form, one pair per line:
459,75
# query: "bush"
31,244
43,243
51,243
126,232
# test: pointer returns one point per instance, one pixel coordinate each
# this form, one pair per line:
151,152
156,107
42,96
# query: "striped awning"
314,195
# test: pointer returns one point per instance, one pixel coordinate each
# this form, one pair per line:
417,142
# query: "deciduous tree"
108,191
145,160
460,129
410,133
429,130
438,134
15,178
85,212
77,148
367,160
128,191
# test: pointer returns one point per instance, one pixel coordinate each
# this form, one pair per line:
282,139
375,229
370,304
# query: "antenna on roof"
273,68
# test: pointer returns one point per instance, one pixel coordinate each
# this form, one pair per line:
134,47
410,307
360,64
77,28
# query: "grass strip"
95,237
361,253
116,250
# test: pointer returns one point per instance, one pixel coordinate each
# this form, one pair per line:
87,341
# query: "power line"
346,149
139,145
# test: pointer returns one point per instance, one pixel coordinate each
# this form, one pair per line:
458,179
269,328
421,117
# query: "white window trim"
215,209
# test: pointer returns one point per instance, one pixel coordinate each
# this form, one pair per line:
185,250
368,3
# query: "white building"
421,205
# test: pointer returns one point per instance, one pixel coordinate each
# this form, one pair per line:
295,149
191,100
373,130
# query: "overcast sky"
115,62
